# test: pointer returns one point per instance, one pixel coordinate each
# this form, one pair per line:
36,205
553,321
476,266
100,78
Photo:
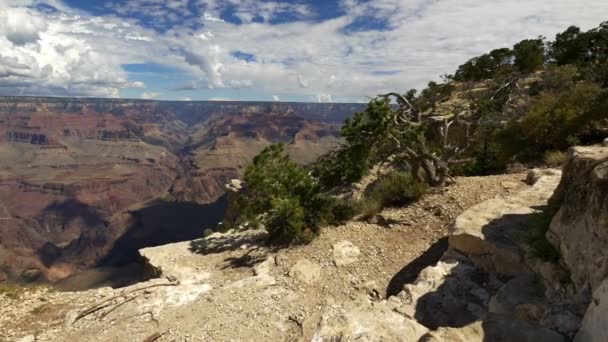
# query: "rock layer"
80,179
580,227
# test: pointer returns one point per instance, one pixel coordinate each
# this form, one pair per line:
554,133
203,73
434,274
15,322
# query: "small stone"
30,275
306,271
28,338
345,253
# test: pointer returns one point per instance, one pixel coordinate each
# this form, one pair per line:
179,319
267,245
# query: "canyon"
87,182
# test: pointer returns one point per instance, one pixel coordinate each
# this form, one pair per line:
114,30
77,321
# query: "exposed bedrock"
491,285
580,227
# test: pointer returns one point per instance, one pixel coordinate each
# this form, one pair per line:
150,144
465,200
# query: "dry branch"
107,302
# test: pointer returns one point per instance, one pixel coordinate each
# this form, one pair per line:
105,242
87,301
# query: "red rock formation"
74,171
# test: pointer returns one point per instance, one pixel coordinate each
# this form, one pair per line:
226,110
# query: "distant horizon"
308,51
159,100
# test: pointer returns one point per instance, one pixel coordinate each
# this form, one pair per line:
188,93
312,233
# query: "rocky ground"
234,288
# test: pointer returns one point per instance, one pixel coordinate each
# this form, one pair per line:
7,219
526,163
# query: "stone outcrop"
306,271
363,320
579,229
494,234
593,327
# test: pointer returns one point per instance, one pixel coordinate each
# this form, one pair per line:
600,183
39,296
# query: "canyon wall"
77,175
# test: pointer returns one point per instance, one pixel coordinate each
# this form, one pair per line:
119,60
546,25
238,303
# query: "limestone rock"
265,266
446,294
363,320
535,174
593,327
494,328
345,253
28,338
235,185
493,233
523,290
579,229
605,142
306,271
255,282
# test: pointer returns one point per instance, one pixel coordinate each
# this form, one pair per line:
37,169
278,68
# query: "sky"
312,51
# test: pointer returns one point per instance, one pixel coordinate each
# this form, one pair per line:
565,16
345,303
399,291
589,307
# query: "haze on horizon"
317,51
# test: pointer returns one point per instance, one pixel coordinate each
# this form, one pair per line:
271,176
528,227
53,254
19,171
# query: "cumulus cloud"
275,98
323,98
149,95
70,52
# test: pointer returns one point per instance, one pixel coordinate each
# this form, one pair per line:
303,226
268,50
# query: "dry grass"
13,291
554,158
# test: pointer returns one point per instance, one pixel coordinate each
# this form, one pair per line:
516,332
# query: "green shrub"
336,211
397,188
280,195
370,207
554,158
541,247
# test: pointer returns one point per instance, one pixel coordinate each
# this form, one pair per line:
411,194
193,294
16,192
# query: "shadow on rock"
461,299
409,273
226,242
248,260
163,222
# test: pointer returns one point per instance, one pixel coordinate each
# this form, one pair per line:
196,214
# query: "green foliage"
569,46
285,199
397,188
371,136
486,66
529,55
432,95
554,121
280,195
587,50
554,158
538,227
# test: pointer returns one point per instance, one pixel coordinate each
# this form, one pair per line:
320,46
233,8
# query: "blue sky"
341,51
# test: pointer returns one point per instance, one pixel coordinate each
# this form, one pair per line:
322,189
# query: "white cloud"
275,98
209,17
149,95
137,85
187,99
323,98
75,53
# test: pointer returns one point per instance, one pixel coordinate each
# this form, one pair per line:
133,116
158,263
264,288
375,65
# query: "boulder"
520,292
535,174
494,234
265,266
605,142
446,294
363,320
30,275
494,328
593,327
345,253
235,185
306,271
579,229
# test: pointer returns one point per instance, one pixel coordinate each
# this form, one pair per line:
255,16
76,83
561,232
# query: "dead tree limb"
106,302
